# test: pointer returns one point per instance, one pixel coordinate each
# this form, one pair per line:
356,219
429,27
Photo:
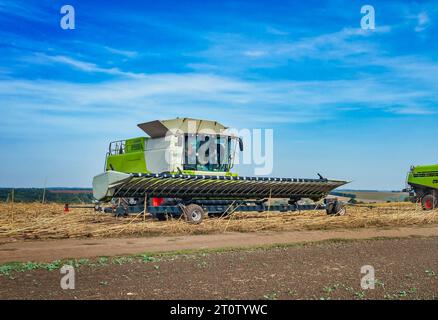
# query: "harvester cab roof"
161,128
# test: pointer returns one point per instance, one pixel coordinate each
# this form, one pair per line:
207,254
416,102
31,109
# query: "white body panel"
163,154
104,183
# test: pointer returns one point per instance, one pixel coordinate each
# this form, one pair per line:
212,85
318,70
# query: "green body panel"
135,145
423,176
132,160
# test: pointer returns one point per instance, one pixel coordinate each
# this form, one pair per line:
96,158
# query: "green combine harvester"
423,182
184,168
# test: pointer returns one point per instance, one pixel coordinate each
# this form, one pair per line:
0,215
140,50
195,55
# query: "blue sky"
349,103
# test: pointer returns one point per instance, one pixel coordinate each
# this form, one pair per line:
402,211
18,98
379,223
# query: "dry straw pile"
49,221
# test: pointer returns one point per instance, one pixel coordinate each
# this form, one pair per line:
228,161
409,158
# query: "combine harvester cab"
423,182
184,168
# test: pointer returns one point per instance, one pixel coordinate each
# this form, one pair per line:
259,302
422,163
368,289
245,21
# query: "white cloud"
272,52
407,86
28,11
411,110
255,53
422,22
43,106
125,53
80,65
276,31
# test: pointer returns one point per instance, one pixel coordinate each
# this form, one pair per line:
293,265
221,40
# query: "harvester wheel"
429,202
335,208
161,216
121,212
194,213
340,209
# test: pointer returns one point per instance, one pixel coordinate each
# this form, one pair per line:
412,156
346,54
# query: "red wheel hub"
428,204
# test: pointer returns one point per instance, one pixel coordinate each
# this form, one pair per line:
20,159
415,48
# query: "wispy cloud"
422,22
28,11
335,45
80,65
276,31
412,110
347,43
255,53
57,103
125,53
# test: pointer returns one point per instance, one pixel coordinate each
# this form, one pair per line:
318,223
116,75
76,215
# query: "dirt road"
404,269
45,251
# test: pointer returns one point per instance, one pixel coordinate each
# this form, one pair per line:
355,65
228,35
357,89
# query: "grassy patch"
122,260
430,273
401,293
291,292
359,294
17,267
102,261
10,268
203,264
147,257
271,296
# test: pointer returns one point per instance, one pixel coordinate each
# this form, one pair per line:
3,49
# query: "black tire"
120,212
194,213
335,208
161,216
339,208
429,202
329,208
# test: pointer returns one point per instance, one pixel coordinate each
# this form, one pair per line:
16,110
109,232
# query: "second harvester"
423,181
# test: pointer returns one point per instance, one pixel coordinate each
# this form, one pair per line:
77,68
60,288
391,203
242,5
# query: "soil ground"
301,255
405,268
50,250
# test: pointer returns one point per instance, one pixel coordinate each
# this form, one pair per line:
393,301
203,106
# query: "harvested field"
49,221
404,269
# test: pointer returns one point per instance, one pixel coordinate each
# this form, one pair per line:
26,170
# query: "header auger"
184,167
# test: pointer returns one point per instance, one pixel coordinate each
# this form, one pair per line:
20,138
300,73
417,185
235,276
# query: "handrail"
116,147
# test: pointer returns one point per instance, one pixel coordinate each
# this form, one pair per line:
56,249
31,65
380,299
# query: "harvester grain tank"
423,181
184,167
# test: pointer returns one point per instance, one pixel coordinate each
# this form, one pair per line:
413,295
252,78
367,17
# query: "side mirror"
240,144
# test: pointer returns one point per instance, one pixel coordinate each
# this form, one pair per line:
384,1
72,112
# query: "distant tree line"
343,194
50,195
